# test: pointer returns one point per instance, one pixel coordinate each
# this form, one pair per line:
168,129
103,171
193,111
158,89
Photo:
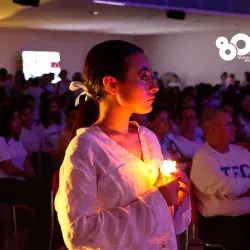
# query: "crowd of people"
205,128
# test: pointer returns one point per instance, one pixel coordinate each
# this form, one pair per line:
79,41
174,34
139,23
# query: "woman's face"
189,120
15,123
160,125
137,92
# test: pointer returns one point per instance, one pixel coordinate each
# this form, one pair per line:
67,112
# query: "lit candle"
168,167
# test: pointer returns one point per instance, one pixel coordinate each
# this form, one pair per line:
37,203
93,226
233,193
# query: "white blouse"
106,198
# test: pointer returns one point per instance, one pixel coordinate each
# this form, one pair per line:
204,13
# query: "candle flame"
168,167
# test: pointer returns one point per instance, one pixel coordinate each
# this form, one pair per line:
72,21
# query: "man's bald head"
217,126
209,117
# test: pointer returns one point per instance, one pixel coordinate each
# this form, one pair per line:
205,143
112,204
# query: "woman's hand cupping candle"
168,169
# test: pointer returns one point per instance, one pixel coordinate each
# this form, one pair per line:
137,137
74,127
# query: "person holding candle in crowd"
111,193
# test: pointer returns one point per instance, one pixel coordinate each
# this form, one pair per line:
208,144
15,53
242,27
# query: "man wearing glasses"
220,174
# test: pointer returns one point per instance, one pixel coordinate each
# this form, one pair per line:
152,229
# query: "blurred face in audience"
224,76
222,130
189,102
15,123
215,100
160,125
174,79
188,120
27,117
53,106
246,104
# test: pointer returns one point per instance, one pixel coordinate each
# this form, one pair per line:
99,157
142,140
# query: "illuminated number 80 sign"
223,45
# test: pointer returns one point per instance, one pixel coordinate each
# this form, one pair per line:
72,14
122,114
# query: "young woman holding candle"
111,193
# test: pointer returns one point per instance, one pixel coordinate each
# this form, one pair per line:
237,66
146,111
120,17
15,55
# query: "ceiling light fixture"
109,2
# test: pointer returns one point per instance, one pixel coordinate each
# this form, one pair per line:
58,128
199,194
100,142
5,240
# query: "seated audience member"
215,101
223,81
159,124
30,101
35,90
50,130
188,101
18,87
246,79
141,119
52,105
220,175
175,82
175,127
16,174
29,135
187,142
63,86
231,79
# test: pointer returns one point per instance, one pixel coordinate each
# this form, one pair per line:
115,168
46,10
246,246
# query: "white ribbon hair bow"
79,85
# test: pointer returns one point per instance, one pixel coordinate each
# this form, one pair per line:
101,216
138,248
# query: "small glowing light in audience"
95,13
168,167
109,2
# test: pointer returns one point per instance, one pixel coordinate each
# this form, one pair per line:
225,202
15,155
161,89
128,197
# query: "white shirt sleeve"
208,178
84,225
4,153
182,217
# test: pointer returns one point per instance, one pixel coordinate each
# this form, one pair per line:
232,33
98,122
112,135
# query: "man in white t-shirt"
220,174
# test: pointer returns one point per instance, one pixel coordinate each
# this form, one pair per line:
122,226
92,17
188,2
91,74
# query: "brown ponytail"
87,114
